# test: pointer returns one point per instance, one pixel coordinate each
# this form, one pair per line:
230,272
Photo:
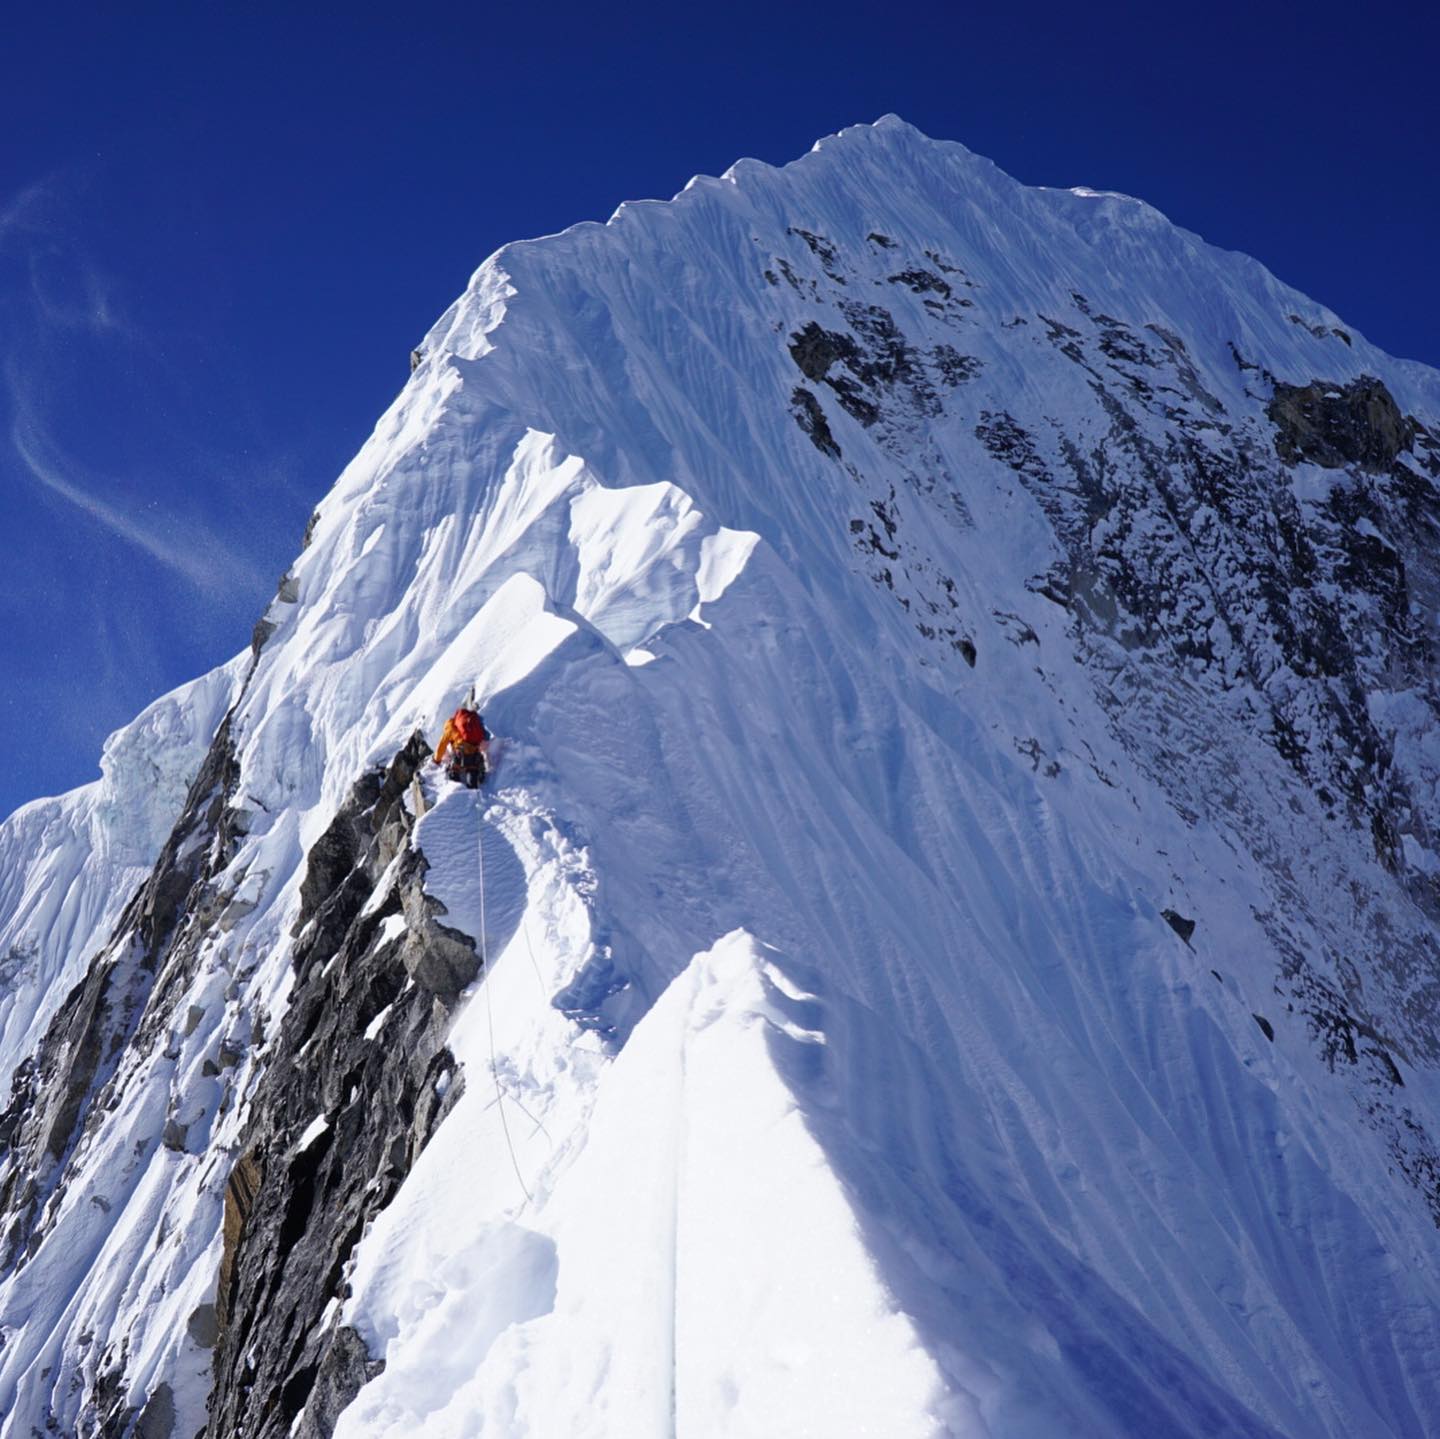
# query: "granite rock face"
1338,425
357,1081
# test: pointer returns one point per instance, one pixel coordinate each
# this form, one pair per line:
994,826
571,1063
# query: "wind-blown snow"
835,1071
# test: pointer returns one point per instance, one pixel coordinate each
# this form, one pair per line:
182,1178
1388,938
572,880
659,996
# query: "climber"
468,742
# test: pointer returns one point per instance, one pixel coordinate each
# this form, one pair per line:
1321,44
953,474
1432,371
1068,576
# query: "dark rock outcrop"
240,1192
345,1369
352,1086
157,1418
1182,926
357,1080
1337,425
811,418
60,1093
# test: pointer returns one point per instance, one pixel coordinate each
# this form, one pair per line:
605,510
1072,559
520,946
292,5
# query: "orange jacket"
449,737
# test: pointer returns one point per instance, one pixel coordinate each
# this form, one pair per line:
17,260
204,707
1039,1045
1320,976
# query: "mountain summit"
948,946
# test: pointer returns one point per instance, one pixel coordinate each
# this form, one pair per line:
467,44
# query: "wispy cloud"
58,308
70,293
117,451
184,547
18,212
65,287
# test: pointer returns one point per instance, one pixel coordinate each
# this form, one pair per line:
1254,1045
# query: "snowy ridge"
698,1144
957,893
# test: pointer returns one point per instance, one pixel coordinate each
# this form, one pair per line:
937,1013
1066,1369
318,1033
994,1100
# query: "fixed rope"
489,1003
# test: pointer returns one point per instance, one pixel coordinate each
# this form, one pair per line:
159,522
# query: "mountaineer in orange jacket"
467,741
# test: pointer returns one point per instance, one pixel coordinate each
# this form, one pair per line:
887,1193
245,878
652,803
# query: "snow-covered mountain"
949,947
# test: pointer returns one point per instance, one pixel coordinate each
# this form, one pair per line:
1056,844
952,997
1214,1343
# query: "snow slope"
68,865
836,1069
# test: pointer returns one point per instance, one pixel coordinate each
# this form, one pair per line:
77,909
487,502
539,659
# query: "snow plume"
948,947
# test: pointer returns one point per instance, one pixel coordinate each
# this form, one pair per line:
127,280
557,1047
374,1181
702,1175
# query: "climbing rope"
489,1003
500,1091
534,964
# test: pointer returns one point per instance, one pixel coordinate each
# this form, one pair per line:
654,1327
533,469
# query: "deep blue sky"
222,228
